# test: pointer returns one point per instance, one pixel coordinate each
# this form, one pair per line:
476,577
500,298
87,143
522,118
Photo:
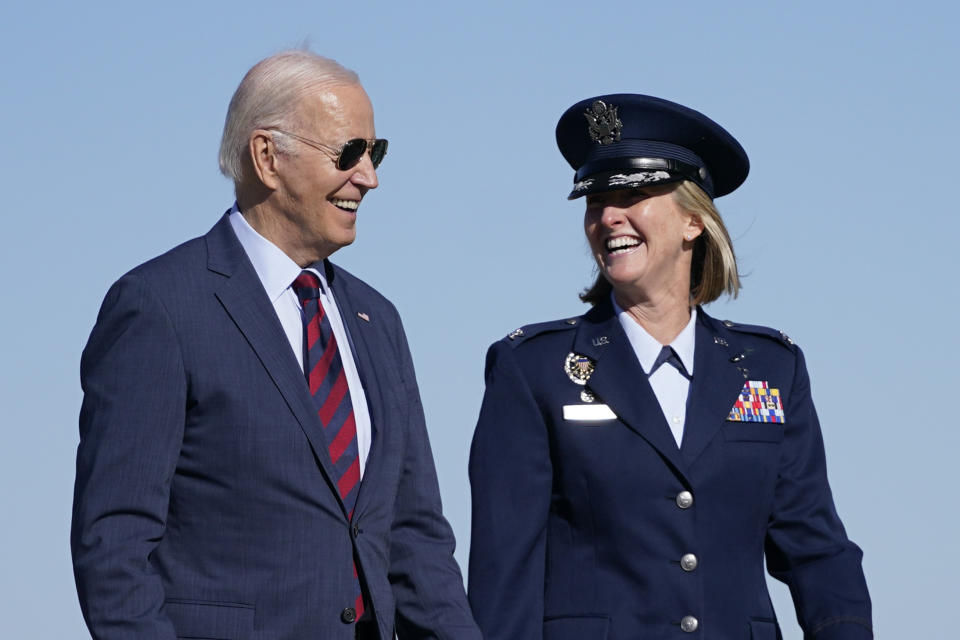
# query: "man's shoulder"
183,256
218,249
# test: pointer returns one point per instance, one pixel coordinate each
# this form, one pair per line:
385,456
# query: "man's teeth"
622,244
345,204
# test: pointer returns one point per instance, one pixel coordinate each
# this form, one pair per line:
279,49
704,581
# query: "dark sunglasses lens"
378,151
351,153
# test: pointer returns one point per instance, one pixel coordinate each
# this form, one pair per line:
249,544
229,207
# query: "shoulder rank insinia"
776,334
528,331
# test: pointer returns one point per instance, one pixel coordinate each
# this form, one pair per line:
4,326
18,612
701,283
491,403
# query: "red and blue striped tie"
331,396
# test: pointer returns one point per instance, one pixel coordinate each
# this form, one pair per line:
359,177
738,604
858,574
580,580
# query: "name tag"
588,412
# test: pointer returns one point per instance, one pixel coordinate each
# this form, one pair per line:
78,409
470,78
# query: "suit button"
684,499
689,624
356,529
349,615
688,562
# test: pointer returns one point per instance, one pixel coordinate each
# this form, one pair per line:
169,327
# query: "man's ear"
263,157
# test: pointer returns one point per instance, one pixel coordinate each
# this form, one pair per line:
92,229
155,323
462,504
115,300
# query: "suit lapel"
242,296
715,386
619,381
362,337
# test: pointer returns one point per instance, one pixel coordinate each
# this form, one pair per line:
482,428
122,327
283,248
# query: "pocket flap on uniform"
210,620
575,627
763,630
752,432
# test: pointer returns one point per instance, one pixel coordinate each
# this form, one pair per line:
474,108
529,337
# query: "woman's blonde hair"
713,271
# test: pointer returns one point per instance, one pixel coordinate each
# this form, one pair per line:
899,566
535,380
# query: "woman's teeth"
621,244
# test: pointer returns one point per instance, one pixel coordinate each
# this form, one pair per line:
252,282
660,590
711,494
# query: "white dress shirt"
669,385
277,272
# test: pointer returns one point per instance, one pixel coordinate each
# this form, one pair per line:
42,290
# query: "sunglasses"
349,154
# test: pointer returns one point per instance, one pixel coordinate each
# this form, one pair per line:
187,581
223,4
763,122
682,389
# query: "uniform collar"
648,348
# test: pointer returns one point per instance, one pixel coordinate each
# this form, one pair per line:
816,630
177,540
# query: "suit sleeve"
511,478
807,547
131,427
426,580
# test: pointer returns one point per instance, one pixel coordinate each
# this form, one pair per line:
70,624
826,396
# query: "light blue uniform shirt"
669,385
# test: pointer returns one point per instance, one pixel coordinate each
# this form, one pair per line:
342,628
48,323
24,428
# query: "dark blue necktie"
668,355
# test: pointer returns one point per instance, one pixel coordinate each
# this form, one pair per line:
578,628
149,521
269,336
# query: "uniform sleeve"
131,427
807,547
511,480
426,581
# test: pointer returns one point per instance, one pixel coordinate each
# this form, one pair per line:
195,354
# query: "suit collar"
274,267
242,296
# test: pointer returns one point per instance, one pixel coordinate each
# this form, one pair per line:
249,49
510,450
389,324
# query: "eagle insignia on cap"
603,125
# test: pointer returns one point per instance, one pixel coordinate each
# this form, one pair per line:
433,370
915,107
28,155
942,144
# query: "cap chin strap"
691,172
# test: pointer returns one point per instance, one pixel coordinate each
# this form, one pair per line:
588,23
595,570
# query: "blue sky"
845,228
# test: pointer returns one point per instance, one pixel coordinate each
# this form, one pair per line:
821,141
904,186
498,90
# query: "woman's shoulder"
538,331
764,334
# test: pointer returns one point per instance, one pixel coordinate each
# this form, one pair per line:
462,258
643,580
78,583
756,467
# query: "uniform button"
684,499
689,624
688,562
349,615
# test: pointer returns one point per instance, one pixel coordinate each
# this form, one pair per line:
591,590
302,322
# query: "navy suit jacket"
204,506
579,527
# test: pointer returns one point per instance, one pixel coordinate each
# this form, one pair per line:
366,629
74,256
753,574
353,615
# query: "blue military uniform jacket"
602,528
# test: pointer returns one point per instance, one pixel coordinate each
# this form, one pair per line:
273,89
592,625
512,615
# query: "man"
253,460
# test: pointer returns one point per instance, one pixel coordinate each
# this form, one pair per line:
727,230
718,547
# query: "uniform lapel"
362,336
242,296
619,381
715,386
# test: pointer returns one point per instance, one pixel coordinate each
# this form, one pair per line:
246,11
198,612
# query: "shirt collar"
274,268
648,348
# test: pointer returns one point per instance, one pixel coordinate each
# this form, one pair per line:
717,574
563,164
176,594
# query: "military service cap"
626,141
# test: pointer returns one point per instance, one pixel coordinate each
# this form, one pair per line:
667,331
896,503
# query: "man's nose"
365,174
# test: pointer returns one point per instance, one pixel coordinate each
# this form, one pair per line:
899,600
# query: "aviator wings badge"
603,125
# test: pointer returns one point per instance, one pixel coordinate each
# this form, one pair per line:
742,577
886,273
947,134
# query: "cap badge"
579,368
603,125
583,184
638,179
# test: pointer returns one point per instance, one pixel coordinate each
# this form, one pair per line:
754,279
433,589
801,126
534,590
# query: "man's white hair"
268,96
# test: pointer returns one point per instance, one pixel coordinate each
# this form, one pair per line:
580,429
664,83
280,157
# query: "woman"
631,467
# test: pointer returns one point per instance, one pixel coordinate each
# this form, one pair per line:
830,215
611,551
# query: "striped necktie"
331,396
